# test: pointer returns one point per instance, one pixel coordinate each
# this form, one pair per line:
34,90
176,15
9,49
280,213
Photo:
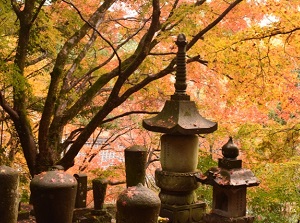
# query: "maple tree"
103,53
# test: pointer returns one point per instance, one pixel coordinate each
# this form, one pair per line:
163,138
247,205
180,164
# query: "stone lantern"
230,182
180,122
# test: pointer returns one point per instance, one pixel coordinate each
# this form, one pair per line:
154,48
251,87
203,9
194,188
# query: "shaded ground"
80,215
25,213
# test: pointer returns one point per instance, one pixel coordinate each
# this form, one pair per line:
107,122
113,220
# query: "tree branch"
213,24
200,2
38,59
126,114
113,100
259,37
141,52
37,11
16,8
70,138
273,33
58,70
95,29
12,113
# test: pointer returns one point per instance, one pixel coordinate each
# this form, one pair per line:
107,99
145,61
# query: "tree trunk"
21,121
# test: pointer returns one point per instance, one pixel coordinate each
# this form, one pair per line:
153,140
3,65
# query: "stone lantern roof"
233,178
180,115
229,172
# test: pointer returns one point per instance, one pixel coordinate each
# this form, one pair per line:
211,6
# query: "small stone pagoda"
230,182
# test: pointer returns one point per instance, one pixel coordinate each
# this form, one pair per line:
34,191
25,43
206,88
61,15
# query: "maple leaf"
131,193
60,175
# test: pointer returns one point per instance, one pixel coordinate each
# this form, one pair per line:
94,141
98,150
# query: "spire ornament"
180,115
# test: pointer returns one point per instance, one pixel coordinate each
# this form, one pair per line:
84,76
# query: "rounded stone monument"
138,204
53,196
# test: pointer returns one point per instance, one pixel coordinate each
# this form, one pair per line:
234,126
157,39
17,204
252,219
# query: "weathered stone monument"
9,182
180,122
230,182
53,196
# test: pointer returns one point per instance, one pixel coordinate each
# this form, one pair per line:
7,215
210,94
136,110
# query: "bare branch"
35,72
58,70
141,52
90,156
75,64
105,62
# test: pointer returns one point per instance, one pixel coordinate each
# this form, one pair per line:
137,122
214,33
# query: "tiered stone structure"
180,122
230,182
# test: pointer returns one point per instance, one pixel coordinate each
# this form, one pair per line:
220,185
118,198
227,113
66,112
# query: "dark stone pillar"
81,190
135,164
99,192
9,181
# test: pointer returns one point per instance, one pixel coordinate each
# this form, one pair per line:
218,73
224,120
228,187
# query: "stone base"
192,213
214,218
